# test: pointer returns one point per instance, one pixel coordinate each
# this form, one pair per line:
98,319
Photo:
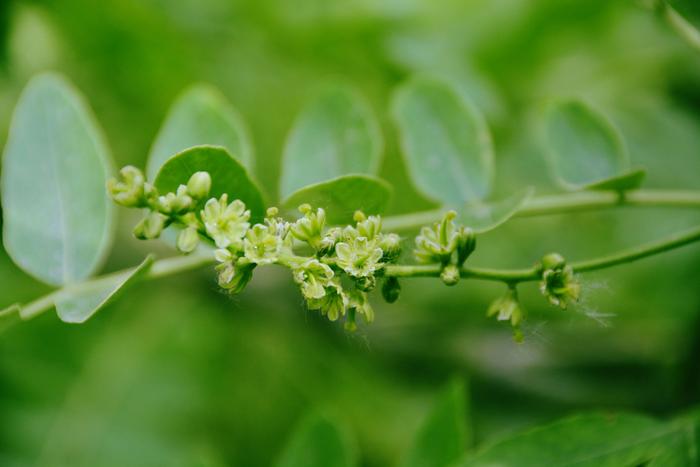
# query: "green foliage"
445,142
585,150
318,441
595,440
342,196
201,115
444,435
77,305
57,217
336,134
485,216
227,174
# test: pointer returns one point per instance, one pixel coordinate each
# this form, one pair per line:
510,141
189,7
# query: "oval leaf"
445,142
592,440
58,219
342,196
77,305
201,115
585,149
336,134
318,442
227,176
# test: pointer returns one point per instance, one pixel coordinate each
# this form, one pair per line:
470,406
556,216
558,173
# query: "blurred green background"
178,374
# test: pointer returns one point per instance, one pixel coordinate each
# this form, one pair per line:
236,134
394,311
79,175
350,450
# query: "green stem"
532,274
680,25
565,203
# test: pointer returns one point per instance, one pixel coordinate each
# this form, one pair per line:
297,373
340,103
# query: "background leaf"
342,196
201,115
227,175
585,150
335,134
443,437
318,442
445,142
595,440
483,217
77,305
57,218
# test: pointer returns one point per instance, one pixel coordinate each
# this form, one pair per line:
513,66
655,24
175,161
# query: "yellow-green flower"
360,257
226,223
313,277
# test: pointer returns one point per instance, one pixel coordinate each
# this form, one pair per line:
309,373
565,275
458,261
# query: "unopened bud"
150,226
199,185
391,289
450,274
466,244
187,240
129,191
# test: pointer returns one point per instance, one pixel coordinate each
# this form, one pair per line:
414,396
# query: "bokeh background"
178,374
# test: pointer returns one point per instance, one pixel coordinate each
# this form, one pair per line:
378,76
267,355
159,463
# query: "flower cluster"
558,284
334,267
336,270
445,243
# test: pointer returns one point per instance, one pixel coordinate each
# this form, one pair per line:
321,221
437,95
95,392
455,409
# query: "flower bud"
130,191
450,274
235,277
150,226
391,246
391,289
199,185
466,244
559,284
187,239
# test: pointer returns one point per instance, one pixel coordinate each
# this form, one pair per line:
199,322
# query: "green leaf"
683,446
335,134
80,303
443,437
595,440
227,175
483,217
58,219
201,115
318,442
445,142
585,150
342,196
